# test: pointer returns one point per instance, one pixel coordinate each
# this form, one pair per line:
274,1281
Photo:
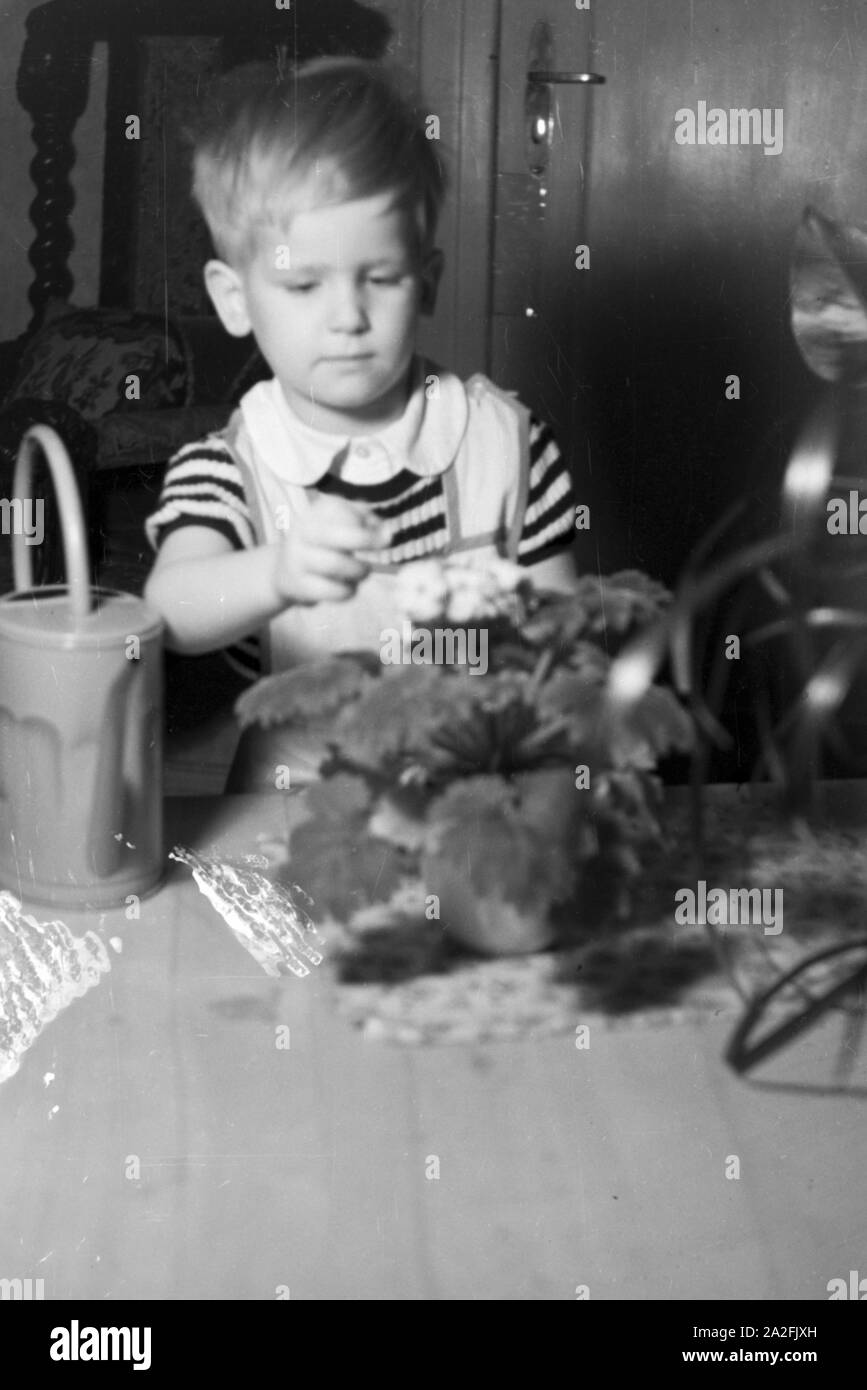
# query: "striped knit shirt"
203,487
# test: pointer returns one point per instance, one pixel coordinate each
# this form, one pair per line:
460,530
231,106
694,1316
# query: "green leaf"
343,799
628,800
344,868
601,606
590,662
496,728
629,599
829,298
478,827
396,717
579,701
657,724
637,737
307,694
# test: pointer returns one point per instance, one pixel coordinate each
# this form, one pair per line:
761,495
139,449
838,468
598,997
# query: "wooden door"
452,48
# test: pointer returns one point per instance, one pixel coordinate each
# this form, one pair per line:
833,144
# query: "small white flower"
459,572
466,577
464,605
425,571
506,575
476,591
422,590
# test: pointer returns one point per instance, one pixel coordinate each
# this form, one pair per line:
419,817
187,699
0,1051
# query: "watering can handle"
71,517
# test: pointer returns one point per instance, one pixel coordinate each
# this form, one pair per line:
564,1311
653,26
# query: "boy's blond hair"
335,129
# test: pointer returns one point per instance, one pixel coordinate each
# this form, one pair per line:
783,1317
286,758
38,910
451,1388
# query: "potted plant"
484,755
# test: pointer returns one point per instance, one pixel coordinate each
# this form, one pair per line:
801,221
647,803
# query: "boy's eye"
385,279
302,286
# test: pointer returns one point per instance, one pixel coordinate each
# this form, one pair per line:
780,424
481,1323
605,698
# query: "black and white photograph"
433,664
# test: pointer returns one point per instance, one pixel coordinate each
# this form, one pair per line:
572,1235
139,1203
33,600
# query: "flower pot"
486,924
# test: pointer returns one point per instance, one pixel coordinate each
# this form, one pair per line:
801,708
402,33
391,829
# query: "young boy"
322,194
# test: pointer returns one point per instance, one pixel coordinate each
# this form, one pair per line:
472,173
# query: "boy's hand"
319,560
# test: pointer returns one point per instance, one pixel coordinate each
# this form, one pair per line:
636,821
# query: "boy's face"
334,308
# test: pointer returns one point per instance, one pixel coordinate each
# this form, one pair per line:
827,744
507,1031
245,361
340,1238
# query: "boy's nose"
348,310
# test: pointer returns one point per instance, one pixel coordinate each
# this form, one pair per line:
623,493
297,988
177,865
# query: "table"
178,1153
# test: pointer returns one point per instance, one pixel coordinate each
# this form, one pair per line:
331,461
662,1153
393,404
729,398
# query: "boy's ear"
432,270
227,296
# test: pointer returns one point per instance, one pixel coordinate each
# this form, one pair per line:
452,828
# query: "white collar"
425,439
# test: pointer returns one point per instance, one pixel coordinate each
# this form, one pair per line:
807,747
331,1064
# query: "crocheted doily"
398,977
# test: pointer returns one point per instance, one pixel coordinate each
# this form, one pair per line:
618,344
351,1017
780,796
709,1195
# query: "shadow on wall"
696,393
821,286
692,244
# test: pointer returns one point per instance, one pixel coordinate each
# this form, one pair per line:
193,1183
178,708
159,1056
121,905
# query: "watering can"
81,705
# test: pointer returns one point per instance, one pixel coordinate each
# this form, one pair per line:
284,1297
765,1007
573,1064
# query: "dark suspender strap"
510,533
251,493
513,540
453,509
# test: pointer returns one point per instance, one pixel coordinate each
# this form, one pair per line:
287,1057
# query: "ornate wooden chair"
148,368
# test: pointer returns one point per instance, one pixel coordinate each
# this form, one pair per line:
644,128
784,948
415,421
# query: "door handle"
543,75
539,99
